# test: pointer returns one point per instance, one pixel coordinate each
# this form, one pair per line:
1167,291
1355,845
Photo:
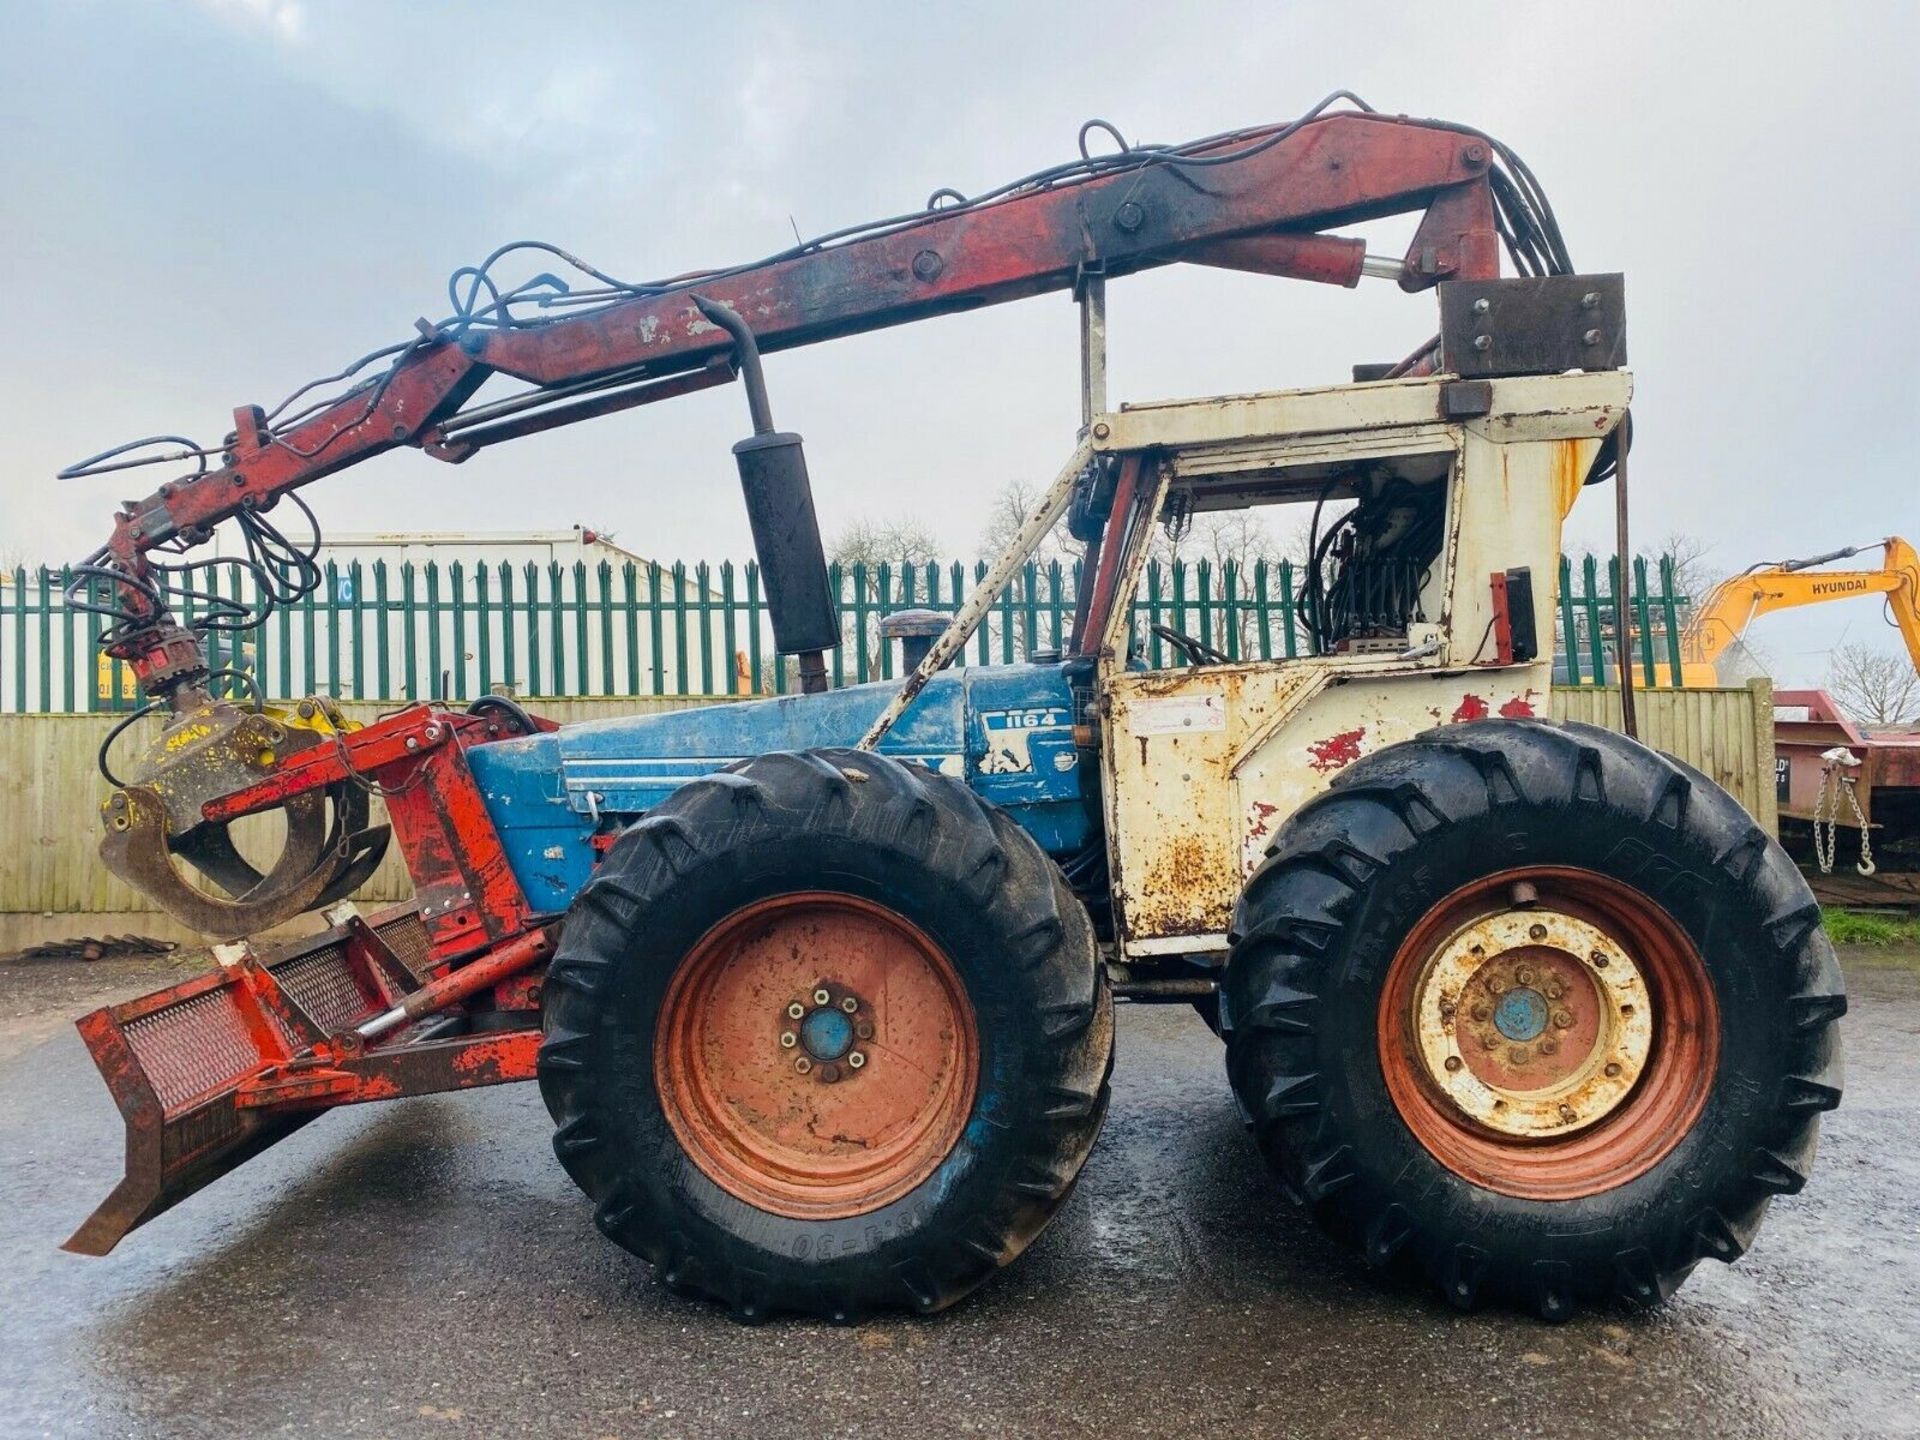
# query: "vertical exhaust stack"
786,532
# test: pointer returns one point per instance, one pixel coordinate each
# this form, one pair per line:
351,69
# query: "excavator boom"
1736,603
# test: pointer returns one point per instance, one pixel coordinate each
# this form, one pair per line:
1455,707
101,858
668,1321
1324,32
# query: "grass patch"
1863,927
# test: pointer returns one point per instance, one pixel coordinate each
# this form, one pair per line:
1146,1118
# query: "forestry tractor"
819,987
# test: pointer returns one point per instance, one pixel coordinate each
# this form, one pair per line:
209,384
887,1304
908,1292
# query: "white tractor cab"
1429,600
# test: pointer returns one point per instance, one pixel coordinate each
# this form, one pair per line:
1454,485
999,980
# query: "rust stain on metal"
1183,889
1336,752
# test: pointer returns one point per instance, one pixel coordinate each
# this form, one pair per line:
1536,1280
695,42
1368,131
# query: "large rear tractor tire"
1536,1008
826,1033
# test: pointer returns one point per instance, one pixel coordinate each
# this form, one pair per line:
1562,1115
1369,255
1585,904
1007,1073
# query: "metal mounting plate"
1535,325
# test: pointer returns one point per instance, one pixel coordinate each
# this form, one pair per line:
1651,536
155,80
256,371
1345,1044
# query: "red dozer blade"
210,1072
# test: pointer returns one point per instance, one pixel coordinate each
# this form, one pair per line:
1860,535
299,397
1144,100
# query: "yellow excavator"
1736,602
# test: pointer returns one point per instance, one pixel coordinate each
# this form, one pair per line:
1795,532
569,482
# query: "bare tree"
1008,511
1874,687
869,544
883,542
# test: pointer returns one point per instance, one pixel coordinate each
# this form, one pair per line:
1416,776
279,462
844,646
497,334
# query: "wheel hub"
1533,1022
816,1055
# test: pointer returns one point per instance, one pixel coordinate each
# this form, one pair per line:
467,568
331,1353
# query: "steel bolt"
788,1039
1599,958
802,1064
1129,217
1483,342
1454,1062
1563,1019
1482,306
1591,337
1536,932
412,744
1102,430
849,1004
796,1011
1474,154
1613,1069
822,997
927,266
855,1059
863,1030
1590,300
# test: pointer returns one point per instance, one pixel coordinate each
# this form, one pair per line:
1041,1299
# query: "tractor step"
210,1072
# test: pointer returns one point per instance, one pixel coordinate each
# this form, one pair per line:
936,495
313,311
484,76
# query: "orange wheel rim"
1548,1033
816,1055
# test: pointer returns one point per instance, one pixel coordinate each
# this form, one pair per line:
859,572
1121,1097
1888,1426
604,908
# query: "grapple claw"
212,750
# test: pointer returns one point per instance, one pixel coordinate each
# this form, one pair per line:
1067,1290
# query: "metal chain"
1834,781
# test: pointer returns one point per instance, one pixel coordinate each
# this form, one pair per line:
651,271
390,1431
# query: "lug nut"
829,1073
1490,1042
1497,984
1549,1046
1525,973
1563,1019
802,1064
1480,1011
1554,989
849,1004
855,1059
822,996
863,1030
796,1011
788,1039
1519,1055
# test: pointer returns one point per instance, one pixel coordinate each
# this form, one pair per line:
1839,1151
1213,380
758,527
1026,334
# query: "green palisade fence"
414,632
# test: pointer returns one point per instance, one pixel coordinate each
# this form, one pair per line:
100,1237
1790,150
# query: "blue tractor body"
1007,730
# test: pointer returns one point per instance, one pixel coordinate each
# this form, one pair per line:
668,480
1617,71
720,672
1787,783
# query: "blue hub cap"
828,1033
1521,1014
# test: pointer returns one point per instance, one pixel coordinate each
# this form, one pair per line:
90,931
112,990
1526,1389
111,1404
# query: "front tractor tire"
1536,1009
826,1033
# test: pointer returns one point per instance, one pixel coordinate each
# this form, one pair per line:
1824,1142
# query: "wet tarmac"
423,1268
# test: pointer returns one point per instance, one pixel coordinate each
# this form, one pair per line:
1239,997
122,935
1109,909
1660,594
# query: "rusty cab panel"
1424,526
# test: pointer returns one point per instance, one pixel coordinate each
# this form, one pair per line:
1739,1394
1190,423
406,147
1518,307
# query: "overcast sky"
205,204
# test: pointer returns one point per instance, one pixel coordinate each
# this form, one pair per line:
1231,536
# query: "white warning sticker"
1179,715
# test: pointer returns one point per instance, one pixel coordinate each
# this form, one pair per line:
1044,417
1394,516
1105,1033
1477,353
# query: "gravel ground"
423,1268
